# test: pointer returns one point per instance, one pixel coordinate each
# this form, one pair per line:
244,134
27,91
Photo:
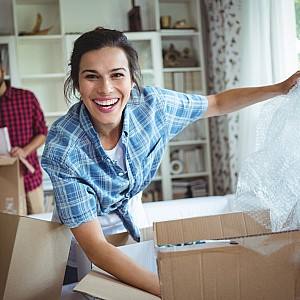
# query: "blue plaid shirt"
86,182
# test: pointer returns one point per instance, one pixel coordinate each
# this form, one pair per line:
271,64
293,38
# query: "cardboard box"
257,264
33,257
12,195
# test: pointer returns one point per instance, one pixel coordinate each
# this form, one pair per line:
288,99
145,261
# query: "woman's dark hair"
94,40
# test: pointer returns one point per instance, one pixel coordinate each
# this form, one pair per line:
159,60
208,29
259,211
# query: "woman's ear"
77,93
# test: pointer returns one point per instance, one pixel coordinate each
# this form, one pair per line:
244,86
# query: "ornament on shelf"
165,22
36,30
182,24
174,58
171,57
134,18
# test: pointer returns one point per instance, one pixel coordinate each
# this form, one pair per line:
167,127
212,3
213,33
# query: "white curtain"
221,28
268,55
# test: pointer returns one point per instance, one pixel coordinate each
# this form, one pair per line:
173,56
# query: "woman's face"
105,85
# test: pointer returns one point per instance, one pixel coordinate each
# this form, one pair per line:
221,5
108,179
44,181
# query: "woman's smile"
106,104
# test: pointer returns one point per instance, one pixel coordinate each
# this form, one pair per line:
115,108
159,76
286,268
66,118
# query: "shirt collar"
132,102
86,122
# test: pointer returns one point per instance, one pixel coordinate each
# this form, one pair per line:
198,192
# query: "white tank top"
111,223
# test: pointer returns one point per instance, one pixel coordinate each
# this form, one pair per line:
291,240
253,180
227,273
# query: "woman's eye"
90,76
118,75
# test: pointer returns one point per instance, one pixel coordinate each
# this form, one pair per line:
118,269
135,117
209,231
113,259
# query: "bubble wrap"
270,177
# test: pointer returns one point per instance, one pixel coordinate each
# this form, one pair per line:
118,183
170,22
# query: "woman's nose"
105,87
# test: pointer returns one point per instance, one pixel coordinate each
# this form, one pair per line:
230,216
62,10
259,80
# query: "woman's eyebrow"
118,69
112,70
88,71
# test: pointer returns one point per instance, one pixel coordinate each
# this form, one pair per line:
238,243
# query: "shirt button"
120,174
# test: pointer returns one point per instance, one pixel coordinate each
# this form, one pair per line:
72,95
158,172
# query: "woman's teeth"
109,102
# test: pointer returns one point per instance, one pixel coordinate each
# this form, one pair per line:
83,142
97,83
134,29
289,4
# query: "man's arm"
36,142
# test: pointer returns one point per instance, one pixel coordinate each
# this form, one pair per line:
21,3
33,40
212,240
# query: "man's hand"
18,152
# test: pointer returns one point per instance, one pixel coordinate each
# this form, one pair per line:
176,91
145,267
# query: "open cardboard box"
33,257
258,265
12,196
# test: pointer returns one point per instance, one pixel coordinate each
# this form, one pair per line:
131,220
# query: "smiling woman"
105,151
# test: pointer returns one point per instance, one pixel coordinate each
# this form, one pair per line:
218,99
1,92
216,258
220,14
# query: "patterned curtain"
221,27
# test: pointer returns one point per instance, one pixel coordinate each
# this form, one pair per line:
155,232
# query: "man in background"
21,113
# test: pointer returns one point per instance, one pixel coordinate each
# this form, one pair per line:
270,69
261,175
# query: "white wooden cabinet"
41,64
186,169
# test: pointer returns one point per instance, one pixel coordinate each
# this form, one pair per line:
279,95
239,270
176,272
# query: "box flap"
7,161
208,228
40,251
103,286
8,229
27,164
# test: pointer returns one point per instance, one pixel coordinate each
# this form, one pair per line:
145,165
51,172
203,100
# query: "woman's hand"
288,84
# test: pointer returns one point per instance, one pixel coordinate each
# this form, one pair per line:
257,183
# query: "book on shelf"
189,82
194,160
189,188
5,145
177,196
168,81
179,82
198,192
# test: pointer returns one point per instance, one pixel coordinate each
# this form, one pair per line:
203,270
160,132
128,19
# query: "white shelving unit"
9,59
40,64
192,175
